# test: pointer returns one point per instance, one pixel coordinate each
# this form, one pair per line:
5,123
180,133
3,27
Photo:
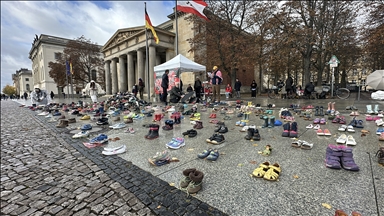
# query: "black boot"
265,122
256,135
271,122
251,133
168,125
153,132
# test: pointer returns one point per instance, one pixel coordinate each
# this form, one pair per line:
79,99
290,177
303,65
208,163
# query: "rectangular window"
57,56
26,79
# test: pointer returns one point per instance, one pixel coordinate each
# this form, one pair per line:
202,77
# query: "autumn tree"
87,63
9,90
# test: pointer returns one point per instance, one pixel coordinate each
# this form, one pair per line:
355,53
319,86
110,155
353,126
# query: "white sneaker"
350,129
342,128
379,122
342,139
120,125
43,113
115,151
81,134
316,127
244,129
309,126
351,141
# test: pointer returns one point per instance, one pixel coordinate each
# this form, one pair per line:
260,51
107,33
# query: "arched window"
27,87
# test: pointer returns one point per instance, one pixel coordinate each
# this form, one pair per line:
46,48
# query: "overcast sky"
96,20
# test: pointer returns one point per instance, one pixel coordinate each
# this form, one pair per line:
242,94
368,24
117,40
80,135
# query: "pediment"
120,36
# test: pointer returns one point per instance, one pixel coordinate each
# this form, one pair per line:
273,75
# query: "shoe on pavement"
101,138
117,150
350,141
81,134
342,139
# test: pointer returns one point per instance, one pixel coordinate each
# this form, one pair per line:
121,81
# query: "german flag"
148,25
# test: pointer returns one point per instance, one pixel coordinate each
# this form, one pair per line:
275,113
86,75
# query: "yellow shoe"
273,172
86,117
261,170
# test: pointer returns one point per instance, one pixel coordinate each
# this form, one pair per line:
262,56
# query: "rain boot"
196,182
376,110
265,122
250,134
245,117
150,130
154,131
256,135
369,109
186,180
271,122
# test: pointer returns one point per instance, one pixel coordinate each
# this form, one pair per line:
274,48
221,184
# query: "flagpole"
177,30
147,57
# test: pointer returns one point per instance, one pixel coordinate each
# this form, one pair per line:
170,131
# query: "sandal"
297,143
261,170
227,118
306,145
273,172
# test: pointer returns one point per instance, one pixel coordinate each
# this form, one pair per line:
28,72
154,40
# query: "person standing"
237,87
141,88
25,95
164,85
135,90
288,86
197,86
63,94
52,95
93,89
216,80
253,89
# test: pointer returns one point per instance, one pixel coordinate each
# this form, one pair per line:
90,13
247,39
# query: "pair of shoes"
114,151
356,123
209,154
176,143
160,158
348,128
118,125
344,139
290,130
168,125
338,157
100,139
302,144
190,133
267,171
252,134
153,132
213,115
198,125
221,129
319,121
81,134
192,181
216,139
130,130
325,132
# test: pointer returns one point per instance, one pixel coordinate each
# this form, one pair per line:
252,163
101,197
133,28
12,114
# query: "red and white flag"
194,6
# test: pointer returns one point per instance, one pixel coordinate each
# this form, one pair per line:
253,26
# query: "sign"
333,65
334,60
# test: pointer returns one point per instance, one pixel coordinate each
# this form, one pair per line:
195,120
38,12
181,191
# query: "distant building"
45,49
23,81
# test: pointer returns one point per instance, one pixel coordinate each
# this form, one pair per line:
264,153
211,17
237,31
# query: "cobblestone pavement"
44,172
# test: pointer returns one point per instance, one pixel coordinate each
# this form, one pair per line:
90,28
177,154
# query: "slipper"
351,141
322,121
342,139
316,121
350,129
306,145
342,128
320,132
327,132
309,126
316,127
214,121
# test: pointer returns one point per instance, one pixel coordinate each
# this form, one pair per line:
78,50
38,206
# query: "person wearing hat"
197,86
216,80
141,88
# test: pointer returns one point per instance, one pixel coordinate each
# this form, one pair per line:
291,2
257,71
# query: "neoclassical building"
23,81
125,53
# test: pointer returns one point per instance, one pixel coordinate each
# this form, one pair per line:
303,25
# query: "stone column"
152,62
140,64
114,76
131,71
158,60
123,75
108,87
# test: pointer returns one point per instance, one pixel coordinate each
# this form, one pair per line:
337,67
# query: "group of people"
293,90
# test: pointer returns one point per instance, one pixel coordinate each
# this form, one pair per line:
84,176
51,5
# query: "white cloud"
98,21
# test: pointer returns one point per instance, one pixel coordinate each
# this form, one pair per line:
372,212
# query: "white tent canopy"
182,63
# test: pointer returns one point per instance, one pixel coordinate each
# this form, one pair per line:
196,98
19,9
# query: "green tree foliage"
9,90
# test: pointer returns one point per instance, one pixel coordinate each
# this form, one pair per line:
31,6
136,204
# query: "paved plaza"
45,171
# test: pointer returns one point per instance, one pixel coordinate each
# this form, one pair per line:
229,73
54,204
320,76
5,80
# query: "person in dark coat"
52,95
253,89
288,85
189,88
141,88
175,94
198,87
164,85
237,87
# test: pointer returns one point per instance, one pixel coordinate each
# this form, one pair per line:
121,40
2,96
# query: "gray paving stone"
124,210
97,208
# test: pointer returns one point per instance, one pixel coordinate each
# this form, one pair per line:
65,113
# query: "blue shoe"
213,156
86,127
204,154
379,131
57,114
101,138
176,143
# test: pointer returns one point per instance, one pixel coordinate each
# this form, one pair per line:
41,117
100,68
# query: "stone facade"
23,81
125,53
